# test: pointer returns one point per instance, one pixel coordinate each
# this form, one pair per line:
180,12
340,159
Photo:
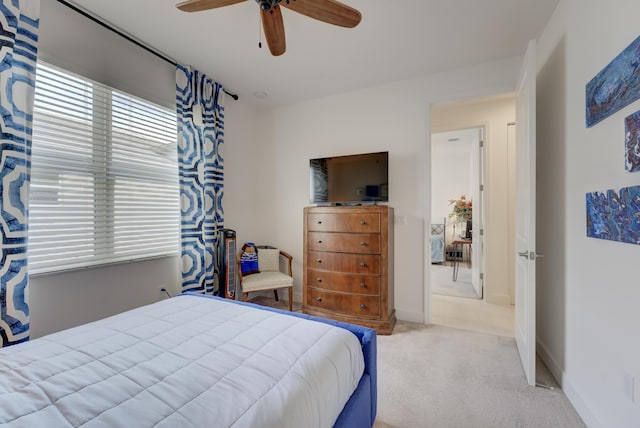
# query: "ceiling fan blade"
198,5
274,30
330,11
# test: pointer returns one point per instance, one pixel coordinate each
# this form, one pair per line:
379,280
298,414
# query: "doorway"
493,312
457,252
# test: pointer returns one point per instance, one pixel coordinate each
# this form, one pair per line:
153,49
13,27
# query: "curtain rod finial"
234,96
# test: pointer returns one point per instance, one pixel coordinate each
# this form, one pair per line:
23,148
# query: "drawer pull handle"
363,285
363,306
362,222
319,279
319,260
319,299
364,244
362,264
319,241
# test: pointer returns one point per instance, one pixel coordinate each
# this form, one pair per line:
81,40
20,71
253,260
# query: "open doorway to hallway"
457,251
491,310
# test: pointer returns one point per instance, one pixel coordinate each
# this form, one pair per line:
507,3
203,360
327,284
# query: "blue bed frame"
360,410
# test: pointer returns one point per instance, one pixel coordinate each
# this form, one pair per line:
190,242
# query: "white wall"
75,43
67,299
588,289
248,175
390,118
450,171
494,114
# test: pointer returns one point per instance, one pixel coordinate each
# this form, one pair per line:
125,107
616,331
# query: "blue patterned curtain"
19,21
199,105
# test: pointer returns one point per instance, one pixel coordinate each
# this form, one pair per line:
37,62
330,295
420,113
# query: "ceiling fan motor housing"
267,5
329,11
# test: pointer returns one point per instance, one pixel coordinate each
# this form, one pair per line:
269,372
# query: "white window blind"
104,176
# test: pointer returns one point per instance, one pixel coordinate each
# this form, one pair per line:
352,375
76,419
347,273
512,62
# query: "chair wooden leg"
275,293
245,297
290,299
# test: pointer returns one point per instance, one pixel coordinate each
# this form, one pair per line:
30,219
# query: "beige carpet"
442,281
433,376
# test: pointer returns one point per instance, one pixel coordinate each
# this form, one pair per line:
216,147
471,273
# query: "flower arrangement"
462,209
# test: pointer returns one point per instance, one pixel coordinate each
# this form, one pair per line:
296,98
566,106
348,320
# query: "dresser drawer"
348,304
352,222
341,262
364,243
345,282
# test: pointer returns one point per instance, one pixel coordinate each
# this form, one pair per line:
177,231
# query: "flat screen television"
349,180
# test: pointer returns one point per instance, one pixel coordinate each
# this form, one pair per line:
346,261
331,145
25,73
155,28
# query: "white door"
525,209
511,204
477,183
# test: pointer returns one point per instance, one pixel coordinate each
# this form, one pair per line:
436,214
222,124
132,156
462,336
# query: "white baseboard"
581,407
561,377
556,370
497,299
410,316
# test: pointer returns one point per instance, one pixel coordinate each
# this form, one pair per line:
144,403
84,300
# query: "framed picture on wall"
615,87
614,215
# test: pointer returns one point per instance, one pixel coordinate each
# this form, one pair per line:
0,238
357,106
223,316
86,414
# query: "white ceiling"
396,40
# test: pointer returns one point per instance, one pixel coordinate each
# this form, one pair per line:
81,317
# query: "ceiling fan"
330,11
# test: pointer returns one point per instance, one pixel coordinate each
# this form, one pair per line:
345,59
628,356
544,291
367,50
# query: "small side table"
458,247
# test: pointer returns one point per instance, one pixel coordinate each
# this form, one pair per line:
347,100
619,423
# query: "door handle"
530,255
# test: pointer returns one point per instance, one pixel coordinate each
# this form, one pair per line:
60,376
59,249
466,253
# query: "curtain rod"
129,38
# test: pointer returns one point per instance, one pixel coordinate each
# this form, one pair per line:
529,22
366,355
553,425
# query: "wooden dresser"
348,265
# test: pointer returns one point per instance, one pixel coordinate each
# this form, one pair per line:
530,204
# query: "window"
104,175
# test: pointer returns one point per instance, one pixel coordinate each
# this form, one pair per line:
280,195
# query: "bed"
437,241
194,361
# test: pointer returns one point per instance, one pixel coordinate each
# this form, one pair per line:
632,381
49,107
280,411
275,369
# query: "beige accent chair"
270,276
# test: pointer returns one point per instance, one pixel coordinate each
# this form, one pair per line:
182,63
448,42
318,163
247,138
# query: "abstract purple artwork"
614,215
632,142
616,86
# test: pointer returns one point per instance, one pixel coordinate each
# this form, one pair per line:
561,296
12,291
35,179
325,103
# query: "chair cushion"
266,281
269,260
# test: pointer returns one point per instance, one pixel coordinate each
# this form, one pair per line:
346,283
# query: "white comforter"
184,362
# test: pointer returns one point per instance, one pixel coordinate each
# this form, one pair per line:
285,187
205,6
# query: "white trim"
581,407
53,270
565,384
410,316
426,217
550,362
